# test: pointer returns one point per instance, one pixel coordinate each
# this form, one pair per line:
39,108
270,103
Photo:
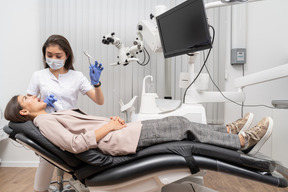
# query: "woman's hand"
50,100
116,118
95,72
116,123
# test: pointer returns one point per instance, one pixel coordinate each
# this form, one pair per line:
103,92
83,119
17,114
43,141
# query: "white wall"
19,56
267,47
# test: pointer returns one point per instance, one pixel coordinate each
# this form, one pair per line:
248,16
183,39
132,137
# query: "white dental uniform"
66,88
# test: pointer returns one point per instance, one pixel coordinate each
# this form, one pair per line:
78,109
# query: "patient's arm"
60,136
113,125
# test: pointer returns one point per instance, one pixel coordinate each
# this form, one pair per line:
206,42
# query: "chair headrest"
32,132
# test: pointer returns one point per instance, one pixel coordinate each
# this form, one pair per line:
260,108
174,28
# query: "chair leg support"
60,183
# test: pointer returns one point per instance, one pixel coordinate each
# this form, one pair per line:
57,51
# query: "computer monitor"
184,29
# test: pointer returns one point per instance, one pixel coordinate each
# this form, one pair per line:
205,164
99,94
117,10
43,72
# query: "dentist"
60,82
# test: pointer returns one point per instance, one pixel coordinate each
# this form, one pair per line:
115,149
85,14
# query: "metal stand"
59,184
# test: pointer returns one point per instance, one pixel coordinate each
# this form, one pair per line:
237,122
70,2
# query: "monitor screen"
184,29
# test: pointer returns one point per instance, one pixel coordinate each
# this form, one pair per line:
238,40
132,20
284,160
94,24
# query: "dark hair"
64,44
12,111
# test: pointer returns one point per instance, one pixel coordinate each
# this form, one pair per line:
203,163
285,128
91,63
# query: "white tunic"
66,88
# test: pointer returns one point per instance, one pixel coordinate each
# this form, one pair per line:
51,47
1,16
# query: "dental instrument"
88,56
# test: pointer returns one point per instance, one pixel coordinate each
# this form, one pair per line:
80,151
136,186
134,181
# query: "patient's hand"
113,125
116,118
116,124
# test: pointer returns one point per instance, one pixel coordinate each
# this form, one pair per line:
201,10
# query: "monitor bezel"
177,52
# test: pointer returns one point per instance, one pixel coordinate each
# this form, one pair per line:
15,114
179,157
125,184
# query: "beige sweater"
74,132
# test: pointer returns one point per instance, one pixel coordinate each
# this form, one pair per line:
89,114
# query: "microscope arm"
126,55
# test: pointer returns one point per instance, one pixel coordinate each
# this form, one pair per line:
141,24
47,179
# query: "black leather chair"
150,168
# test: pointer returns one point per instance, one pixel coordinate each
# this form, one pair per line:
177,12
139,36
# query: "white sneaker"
78,186
52,188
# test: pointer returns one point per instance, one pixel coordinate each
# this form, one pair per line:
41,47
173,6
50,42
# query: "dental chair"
150,168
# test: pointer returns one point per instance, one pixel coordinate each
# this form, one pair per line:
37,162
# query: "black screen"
184,29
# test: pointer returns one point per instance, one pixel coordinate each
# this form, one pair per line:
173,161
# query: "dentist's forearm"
99,96
96,95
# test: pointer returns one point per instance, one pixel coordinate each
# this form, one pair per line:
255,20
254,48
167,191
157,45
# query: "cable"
242,105
144,60
193,187
202,65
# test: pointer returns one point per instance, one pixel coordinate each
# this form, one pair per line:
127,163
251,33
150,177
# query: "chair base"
152,182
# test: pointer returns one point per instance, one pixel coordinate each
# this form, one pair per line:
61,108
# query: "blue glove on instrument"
95,72
50,100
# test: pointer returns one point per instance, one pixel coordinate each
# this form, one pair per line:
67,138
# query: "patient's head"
23,108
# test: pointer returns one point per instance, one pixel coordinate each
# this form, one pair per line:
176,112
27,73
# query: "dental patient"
76,132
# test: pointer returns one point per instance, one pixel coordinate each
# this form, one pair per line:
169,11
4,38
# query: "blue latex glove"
95,72
50,100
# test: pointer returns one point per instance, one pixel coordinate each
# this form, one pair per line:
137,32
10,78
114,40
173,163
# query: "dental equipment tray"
96,169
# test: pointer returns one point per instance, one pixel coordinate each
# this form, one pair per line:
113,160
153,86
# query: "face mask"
55,63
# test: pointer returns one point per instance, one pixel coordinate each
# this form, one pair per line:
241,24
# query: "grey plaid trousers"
177,128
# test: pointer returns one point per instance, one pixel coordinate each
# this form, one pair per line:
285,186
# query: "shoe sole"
267,135
248,123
